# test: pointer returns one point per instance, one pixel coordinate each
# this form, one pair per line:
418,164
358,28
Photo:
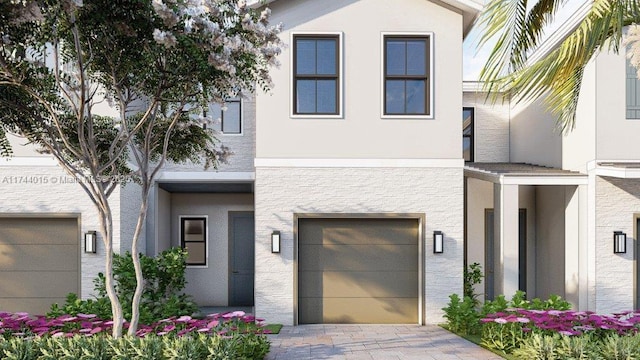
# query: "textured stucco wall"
617,203
491,128
24,191
282,192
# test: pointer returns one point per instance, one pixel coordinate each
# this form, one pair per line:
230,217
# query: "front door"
241,258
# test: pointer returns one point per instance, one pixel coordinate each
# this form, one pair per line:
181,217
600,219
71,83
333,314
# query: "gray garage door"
38,262
358,271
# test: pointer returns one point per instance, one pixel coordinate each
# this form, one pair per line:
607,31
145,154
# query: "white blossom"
164,38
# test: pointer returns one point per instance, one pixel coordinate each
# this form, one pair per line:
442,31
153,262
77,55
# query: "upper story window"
407,75
633,92
230,118
467,133
316,74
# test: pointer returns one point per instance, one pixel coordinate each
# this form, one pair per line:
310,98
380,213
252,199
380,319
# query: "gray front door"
241,258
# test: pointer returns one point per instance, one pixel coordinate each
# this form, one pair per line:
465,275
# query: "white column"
506,225
572,255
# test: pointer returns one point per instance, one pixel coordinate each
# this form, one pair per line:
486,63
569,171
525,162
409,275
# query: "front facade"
345,174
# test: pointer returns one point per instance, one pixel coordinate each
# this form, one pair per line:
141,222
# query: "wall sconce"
90,242
619,242
437,242
275,242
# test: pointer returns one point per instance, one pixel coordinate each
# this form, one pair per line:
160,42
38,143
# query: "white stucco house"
349,173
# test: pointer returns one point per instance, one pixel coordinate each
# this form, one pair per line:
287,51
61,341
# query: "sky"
474,58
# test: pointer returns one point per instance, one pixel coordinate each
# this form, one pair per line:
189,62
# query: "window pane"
305,56
416,97
231,118
306,96
396,57
326,57
394,96
416,57
467,121
326,96
195,253
466,148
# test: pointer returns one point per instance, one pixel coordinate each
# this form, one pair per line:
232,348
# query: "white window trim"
206,232
241,133
431,80
292,76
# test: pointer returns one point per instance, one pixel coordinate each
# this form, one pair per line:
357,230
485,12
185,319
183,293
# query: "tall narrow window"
407,75
467,133
316,70
193,238
633,92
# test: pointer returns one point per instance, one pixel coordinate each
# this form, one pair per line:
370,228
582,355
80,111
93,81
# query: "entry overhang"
523,174
617,169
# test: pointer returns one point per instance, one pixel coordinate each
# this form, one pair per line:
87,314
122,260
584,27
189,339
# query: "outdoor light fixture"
619,242
437,242
275,242
90,242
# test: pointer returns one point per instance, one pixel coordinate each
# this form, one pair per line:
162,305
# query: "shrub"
472,276
198,346
164,280
462,316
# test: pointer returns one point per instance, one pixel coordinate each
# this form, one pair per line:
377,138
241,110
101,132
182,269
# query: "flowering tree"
157,62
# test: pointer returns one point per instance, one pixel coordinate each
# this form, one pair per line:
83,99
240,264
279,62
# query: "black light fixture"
619,242
275,242
438,242
90,242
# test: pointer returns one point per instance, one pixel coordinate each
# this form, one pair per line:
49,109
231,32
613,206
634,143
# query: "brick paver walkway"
377,342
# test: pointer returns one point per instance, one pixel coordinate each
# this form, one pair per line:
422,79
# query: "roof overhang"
616,169
523,174
470,9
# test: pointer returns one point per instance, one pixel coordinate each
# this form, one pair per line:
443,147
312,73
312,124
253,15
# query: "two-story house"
344,200
558,214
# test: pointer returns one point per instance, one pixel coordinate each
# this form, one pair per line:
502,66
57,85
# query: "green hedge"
214,347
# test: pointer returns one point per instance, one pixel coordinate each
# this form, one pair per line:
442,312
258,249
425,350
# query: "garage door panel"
34,306
359,284
359,257
37,284
357,311
357,231
38,231
358,270
39,257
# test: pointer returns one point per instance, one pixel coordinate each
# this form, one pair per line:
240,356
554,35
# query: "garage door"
358,271
38,262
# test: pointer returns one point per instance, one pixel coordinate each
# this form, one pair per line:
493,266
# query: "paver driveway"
372,342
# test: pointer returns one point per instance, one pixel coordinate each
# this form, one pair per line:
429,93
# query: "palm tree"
558,74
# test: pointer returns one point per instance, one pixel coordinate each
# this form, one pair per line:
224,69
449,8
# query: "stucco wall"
130,199
617,202
362,133
209,286
579,145
550,248
479,198
24,191
282,192
491,128
534,137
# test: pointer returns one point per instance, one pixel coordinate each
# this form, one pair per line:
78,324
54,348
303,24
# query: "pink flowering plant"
506,331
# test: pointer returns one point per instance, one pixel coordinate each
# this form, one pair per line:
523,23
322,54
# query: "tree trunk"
106,223
135,256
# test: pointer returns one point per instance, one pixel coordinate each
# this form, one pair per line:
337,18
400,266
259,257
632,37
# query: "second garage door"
38,262
358,271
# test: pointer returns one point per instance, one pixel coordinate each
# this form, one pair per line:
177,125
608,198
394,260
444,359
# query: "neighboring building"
554,203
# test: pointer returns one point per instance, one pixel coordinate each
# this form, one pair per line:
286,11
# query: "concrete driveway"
376,342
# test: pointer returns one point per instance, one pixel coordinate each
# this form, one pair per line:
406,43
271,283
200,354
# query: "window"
316,74
407,75
467,133
230,119
633,92
193,238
